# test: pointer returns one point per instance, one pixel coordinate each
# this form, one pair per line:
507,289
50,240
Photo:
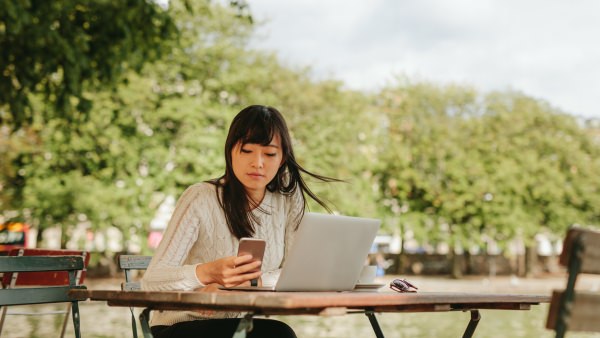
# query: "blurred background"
469,128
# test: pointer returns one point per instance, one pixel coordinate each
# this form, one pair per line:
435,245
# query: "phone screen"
252,246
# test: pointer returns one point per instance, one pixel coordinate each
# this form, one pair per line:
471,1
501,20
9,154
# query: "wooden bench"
43,294
572,309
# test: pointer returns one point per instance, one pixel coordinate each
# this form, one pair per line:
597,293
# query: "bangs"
260,130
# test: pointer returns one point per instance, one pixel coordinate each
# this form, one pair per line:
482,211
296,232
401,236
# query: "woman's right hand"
229,271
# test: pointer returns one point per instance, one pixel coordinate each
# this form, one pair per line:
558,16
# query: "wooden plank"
590,256
583,312
131,286
56,278
25,296
134,262
307,300
590,259
40,263
298,300
554,308
568,244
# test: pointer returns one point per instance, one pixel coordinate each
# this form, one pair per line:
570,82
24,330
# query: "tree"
461,168
555,158
421,171
58,49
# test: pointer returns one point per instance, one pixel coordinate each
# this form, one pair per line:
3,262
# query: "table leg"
374,323
244,326
475,317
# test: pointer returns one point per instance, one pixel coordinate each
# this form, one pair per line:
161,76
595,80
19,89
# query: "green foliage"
460,168
555,158
57,48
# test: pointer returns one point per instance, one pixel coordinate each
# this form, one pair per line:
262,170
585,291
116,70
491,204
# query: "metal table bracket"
475,317
371,315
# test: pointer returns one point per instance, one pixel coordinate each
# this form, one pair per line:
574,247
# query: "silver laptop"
328,254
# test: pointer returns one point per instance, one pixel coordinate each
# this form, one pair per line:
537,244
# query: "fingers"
252,266
241,279
243,273
241,260
251,271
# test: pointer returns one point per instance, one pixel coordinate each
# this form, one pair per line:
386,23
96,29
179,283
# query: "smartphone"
252,246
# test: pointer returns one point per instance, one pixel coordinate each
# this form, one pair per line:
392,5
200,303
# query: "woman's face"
256,165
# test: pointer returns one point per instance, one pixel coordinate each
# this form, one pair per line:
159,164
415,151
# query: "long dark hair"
258,125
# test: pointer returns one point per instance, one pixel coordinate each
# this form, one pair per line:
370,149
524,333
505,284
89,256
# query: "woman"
260,195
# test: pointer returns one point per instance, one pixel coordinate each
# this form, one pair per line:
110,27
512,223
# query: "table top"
312,302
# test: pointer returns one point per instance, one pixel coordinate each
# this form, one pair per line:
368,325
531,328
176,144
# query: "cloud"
546,49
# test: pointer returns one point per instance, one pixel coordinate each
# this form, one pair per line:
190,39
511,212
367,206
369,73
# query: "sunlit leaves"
473,167
57,48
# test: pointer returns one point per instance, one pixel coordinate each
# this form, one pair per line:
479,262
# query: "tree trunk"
492,265
521,265
468,263
456,265
530,257
400,262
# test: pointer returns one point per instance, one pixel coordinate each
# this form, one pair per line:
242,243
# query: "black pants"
217,328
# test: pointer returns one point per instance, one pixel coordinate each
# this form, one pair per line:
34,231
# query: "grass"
493,324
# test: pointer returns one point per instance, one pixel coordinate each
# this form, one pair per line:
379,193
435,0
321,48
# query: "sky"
547,49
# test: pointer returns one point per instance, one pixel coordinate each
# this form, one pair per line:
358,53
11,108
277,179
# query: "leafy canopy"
59,48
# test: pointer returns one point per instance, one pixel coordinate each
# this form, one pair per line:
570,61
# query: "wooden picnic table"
318,303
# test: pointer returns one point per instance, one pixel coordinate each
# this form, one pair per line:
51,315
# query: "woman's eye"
246,151
271,154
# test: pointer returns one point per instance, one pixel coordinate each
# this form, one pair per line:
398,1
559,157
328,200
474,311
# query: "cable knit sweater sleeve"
167,270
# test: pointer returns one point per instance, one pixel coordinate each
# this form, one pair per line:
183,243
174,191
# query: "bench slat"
134,262
554,309
40,263
589,255
583,311
26,296
131,286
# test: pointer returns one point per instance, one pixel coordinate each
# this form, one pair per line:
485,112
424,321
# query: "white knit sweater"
197,233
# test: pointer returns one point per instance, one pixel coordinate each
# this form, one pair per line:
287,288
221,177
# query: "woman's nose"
258,161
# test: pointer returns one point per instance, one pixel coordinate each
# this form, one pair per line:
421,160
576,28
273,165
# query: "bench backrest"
130,263
42,294
41,277
571,309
